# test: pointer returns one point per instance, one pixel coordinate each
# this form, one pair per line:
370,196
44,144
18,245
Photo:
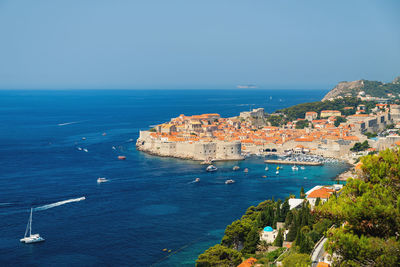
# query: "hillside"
373,88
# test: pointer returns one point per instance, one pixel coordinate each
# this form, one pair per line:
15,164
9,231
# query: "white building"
268,234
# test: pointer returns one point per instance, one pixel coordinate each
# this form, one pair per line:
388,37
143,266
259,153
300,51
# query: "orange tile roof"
323,264
321,193
248,263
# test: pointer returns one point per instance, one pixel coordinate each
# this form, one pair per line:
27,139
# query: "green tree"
368,214
279,239
302,124
219,256
297,260
339,120
251,242
302,194
317,201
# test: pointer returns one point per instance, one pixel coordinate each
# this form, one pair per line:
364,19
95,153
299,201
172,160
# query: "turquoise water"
150,203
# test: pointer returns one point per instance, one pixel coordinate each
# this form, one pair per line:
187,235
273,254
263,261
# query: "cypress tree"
279,239
285,209
302,194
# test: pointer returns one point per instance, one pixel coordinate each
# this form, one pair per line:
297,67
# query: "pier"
286,162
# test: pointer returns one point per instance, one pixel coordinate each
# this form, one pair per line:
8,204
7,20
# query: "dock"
286,162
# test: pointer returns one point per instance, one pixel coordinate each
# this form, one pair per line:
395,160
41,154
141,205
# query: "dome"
268,229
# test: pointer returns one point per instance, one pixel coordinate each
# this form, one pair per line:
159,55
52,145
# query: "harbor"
287,162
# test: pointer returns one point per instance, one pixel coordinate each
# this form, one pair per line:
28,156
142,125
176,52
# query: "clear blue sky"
196,43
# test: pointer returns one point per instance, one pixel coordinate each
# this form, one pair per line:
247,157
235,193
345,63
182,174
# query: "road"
318,252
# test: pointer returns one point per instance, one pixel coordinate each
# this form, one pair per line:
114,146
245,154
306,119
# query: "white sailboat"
32,238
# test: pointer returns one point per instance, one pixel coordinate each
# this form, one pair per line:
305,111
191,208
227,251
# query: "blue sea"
150,203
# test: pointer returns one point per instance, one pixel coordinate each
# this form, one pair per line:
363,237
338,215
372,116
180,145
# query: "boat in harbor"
211,168
235,168
229,181
31,238
302,167
246,170
295,168
101,180
266,168
79,148
85,149
121,157
277,172
197,180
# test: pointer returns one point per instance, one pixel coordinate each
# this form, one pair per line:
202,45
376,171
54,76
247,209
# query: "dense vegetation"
360,146
299,111
243,236
368,215
380,89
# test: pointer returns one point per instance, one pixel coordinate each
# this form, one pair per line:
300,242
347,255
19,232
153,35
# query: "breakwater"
286,162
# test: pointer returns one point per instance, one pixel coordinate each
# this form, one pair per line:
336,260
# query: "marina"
287,162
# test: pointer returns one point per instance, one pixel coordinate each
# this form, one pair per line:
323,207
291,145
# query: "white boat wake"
49,206
68,123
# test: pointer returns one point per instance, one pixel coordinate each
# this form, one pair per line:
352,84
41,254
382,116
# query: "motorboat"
121,157
79,148
229,181
235,168
83,138
211,168
302,167
104,134
295,168
197,180
246,170
266,168
85,149
101,180
31,238
277,172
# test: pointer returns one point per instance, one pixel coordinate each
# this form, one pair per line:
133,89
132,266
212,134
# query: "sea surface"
150,203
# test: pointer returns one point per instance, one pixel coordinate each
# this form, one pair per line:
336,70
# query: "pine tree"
251,242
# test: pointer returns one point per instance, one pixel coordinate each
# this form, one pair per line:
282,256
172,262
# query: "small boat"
164,249
246,170
211,168
101,180
302,167
85,150
104,134
83,138
277,168
295,168
114,148
32,238
266,168
121,157
79,148
235,168
197,180
229,181
277,172
264,176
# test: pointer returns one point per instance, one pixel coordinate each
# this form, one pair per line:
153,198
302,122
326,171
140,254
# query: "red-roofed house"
248,263
323,193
